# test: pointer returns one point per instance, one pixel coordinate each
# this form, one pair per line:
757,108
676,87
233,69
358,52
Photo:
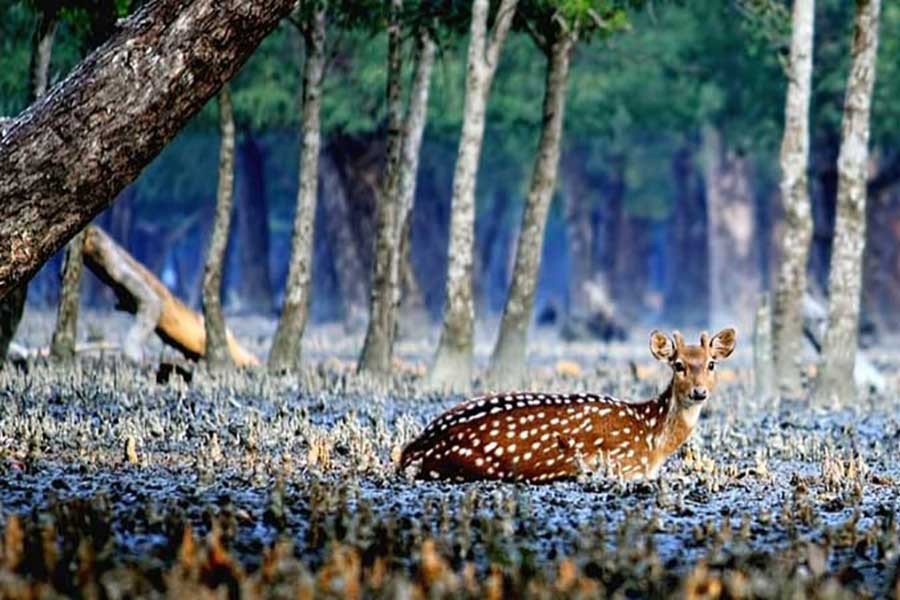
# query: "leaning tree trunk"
139,292
395,196
285,353
217,356
790,285
13,305
453,359
67,156
508,362
844,283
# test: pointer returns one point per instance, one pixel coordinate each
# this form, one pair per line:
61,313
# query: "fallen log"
139,292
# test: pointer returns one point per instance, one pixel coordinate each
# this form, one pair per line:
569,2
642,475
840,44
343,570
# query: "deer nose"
699,393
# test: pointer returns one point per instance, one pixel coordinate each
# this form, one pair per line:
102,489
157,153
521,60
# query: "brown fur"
544,437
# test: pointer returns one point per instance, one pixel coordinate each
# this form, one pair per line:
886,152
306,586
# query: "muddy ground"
112,483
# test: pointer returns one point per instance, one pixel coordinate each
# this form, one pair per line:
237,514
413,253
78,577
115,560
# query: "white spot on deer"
434,474
511,448
536,445
490,446
526,456
545,437
499,451
604,411
476,442
598,442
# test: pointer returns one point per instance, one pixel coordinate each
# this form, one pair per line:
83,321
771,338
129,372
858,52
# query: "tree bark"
383,296
139,292
790,285
217,356
252,214
453,360
67,156
508,361
13,305
396,195
835,381
286,346
62,345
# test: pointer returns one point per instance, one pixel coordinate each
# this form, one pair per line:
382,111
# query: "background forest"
645,164
671,126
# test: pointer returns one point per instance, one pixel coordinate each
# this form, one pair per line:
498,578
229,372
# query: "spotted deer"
544,437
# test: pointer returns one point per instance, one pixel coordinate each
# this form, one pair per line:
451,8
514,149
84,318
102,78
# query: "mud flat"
115,484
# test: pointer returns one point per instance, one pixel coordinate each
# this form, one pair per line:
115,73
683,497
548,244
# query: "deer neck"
679,423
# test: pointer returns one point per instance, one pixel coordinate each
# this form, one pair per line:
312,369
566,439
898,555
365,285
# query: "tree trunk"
396,195
731,235
12,306
217,356
453,359
67,156
790,285
835,381
377,347
62,345
139,292
411,296
508,361
286,346
255,283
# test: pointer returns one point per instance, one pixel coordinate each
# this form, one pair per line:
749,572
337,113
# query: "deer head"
693,367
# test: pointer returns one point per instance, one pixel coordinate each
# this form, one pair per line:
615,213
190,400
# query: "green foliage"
669,70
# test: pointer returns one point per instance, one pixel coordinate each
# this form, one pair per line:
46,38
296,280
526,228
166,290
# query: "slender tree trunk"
844,283
508,362
13,305
379,339
453,359
62,345
67,156
285,354
395,195
217,355
416,117
790,285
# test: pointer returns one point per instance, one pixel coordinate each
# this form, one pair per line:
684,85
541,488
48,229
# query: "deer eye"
712,365
679,366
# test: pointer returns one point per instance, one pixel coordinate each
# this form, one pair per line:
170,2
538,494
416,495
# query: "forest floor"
114,483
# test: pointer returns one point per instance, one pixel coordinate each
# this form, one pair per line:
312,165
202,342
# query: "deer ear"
722,344
661,347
